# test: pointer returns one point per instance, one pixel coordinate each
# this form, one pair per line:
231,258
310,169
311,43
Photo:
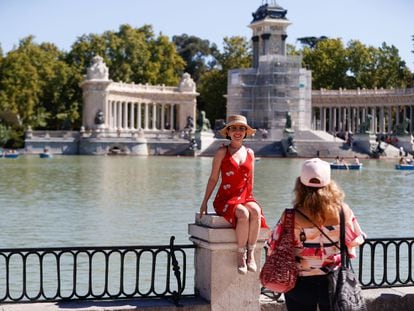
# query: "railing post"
216,276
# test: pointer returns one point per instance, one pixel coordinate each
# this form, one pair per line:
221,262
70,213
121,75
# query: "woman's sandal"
251,263
241,256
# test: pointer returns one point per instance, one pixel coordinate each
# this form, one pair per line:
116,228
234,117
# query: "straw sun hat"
237,120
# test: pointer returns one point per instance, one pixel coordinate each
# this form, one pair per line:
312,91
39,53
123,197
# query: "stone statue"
204,123
288,124
288,120
99,117
365,127
187,84
98,69
401,129
190,123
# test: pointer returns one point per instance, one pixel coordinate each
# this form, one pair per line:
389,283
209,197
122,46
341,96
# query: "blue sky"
62,21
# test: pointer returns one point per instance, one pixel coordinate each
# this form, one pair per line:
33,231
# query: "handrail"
388,262
120,272
93,272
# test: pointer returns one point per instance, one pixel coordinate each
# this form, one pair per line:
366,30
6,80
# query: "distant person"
317,202
403,161
234,199
343,162
356,160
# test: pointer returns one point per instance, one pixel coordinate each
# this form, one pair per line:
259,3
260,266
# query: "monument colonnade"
145,107
389,111
115,107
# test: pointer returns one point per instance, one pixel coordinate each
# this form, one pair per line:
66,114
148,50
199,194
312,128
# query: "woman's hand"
203,209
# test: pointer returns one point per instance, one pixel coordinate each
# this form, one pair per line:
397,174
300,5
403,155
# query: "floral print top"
315,254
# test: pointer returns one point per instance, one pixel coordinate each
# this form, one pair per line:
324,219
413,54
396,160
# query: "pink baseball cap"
315,173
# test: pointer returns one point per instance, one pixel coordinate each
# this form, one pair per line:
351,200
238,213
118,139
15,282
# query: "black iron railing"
74,273
386,262
382,263
120,272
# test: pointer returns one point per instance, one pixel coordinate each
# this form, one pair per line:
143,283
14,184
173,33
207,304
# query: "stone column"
132,116
146,116
265,43
154,116
139,116
119,115
390,124
255,40
381,121
162,116
125,119
216,276
323,119
172,117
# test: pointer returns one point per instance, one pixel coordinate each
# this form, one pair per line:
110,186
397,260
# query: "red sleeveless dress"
235,188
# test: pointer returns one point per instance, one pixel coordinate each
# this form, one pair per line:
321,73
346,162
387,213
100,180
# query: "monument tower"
276,92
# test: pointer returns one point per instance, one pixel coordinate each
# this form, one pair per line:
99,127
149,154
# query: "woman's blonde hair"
322,203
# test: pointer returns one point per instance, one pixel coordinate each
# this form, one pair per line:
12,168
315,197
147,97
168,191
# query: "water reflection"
80,200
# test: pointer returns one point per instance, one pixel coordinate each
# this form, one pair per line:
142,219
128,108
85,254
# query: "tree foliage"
34,84
197,53
213,84
131,54
39,84
335,66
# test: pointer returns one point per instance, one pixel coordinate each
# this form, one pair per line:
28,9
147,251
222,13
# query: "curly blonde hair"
322,203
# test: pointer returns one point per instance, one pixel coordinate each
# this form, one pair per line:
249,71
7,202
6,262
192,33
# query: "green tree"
197,54
311,42
35,84
236,54
131,54
361,65
391,70
212,88
328,62
335,66
213,84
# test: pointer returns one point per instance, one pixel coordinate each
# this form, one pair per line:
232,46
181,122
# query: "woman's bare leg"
254,229
242,235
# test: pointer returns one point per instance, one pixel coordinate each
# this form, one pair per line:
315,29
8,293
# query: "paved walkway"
385,299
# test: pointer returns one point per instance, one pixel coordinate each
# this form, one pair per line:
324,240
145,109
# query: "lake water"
109,201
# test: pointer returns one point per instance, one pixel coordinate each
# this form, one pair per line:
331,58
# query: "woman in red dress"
234,199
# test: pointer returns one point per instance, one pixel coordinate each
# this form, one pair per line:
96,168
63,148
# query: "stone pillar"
119,115
172,117
132,116
139,116
390,124
154,116
265,43
323,119
381,121
216,276
255,40
162,116
146,116
125,113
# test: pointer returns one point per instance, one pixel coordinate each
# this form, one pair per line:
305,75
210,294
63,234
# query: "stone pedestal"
366,142
216,276
406,142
